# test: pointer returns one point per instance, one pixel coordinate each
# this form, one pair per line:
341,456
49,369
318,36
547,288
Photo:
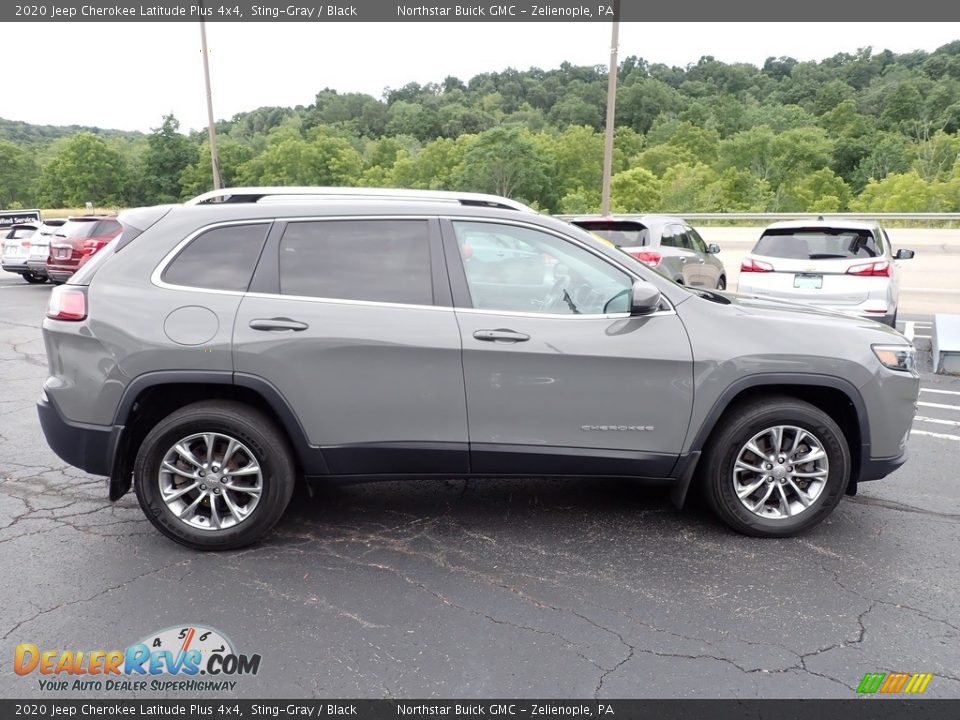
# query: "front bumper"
877,468
88,447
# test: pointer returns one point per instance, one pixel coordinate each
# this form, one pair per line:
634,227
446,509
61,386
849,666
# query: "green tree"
504,161
897,192
634,191
326,159
86,169
685,188
168,154
197,177
18,172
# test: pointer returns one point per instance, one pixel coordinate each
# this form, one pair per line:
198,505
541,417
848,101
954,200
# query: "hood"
767,307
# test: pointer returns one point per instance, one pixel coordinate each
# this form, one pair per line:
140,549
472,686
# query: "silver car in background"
16,249
665,243
847,266
40,247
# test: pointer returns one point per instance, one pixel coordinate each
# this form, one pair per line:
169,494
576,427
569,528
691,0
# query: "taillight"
871,269
751,265
25,243
91,247
67,303
647,257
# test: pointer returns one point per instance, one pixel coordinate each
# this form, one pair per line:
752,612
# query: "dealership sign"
15,217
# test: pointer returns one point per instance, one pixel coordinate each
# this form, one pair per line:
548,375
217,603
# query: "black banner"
874,708
15,217
466,11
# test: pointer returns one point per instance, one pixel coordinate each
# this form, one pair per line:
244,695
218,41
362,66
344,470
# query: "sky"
129,75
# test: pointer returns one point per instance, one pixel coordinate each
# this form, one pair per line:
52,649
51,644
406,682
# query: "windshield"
818,244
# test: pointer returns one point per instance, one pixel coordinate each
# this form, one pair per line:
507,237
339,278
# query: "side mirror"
644,298
713,248
904,255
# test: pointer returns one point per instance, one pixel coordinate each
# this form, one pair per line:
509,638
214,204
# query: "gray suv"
218,352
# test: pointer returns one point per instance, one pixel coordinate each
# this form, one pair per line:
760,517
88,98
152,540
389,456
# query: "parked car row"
841,265
56,248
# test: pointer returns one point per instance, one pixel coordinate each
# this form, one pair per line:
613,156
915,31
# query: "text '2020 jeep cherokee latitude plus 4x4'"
214,353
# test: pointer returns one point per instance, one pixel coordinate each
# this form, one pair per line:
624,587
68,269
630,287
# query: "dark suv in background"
76,241
216,353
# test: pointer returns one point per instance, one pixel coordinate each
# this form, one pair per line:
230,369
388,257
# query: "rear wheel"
722,283
778,466
215,475
34,279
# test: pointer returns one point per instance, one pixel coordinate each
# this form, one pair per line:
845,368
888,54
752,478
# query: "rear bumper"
16,267
88,447
37,267
876,468
59,275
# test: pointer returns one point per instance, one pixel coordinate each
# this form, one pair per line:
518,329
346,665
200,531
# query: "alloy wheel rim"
780,472
210,481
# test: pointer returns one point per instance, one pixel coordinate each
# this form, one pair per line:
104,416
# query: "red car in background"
76,241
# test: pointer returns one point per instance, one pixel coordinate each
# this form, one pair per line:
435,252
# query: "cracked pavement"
502,588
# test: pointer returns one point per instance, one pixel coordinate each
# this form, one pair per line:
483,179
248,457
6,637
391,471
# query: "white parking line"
908,330
942,436
939,405
922,336
940,392
945,291
938,421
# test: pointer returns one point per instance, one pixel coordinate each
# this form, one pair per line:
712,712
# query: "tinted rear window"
20,233
78,229
106,228
620,233
220,259
374,260
818,244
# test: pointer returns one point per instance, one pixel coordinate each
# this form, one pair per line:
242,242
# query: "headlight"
896,357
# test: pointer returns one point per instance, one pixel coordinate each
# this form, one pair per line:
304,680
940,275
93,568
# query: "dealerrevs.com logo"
173,659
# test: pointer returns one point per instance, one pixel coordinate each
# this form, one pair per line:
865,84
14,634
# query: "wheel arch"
836,396
152,396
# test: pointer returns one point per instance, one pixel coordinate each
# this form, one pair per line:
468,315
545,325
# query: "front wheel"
214,475
722,283
778,466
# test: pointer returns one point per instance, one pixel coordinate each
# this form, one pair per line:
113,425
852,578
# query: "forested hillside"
864,131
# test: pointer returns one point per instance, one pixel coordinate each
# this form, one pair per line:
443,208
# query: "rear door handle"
501,335
280,323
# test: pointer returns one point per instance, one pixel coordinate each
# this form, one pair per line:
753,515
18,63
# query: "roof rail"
256,194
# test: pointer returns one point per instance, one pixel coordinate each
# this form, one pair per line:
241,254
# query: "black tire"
893,321
722,283
34,279
240,421
736,428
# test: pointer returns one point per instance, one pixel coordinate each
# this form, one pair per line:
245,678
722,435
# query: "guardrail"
771,217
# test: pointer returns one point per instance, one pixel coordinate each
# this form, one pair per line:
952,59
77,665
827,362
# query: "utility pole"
611,109
214,160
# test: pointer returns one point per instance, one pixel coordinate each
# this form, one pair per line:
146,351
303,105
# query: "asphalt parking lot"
519,588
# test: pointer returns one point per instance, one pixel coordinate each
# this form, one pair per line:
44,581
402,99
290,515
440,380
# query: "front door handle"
500,335
279,323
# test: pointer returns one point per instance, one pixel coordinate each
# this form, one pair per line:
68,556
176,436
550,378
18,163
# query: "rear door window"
369,260
818,243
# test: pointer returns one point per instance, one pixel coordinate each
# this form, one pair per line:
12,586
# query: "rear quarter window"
221,258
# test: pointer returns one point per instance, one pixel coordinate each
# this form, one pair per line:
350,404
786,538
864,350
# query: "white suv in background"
847,266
